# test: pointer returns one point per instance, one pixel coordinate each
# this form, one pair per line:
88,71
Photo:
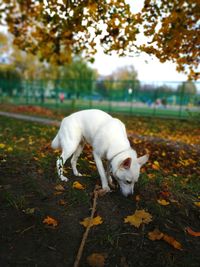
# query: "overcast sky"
148,68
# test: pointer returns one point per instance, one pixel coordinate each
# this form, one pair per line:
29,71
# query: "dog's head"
127,173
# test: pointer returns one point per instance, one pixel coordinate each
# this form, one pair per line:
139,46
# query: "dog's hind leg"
61,161
75,158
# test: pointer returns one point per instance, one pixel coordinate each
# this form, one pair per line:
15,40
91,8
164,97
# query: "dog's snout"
128,181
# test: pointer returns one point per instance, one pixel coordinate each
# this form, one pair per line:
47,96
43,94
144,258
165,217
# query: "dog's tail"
56,142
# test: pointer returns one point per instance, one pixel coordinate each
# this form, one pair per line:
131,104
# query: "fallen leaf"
151,175
96,260
62,202
163,202
137,197
57,193
29,211
197,204
191,232
156,165
50,221
173,242
59,187
155,235
95,221
78,186
139,217
2,145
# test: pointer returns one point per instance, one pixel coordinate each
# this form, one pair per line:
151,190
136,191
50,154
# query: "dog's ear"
126,164
142,160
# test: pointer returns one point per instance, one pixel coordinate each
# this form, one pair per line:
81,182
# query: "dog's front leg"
101,171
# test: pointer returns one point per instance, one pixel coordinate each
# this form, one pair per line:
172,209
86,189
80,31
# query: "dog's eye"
128,182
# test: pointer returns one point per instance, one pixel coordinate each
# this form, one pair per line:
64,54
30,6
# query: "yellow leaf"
96,260
9,149
155,235
78,185
95,221
50,221
2,145
163,202
197,204
139,217
156,165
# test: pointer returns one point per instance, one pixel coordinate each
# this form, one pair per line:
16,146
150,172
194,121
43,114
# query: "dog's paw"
78,174
106,189
63,178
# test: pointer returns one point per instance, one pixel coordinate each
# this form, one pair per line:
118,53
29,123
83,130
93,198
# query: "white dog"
108,138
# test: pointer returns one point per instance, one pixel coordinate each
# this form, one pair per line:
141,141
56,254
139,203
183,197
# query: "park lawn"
168,190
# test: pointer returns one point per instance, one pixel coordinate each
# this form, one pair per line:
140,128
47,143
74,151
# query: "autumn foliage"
57,30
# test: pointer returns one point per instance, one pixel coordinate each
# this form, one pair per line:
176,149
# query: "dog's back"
82,124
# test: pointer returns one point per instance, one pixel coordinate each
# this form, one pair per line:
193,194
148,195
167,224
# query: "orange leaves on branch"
157,235
138,218
95,221
50,221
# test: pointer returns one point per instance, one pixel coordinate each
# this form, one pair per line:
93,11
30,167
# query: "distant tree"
58,30
10,80
164,88
122,78
187,88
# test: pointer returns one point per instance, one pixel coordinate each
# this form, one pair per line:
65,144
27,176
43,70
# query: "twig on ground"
85,235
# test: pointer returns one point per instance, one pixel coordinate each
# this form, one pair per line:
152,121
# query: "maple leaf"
78,186
95,221
163,202
50,221
191,232
139,217
96,260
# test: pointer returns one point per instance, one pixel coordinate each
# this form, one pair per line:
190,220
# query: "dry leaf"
78,185
50,221
163,202
137,197
155,235
2,145
59,187
96,260
156,165
170,240
95,221
191,232
197,204
139,217
62,202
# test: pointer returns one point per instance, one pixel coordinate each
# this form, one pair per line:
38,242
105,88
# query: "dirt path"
30,118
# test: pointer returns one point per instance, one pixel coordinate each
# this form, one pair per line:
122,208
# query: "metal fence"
166,99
